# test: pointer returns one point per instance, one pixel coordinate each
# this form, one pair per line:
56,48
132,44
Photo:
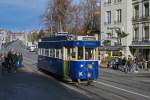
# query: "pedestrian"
9,61
129,62
116,63
16,61
20,58
124,61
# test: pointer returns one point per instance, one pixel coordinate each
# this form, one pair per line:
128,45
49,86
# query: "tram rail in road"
89,93
128,91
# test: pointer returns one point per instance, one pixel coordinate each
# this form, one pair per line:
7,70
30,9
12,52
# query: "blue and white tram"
71,59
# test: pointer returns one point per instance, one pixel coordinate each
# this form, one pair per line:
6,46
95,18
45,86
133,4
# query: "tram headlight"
92,63
81,65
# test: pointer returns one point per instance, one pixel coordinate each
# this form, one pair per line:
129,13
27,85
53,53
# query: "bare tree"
64,15
58,14
89,9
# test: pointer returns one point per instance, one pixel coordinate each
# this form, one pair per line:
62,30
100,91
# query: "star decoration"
80,74
89,75
81,65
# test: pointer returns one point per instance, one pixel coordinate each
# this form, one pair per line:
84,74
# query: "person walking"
9,61
116,63
20,60
16,61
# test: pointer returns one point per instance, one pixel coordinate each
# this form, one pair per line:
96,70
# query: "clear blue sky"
21,15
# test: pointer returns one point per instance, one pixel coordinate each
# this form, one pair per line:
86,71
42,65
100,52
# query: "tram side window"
51,53
80,53
73,53
60,54
43,52
49,50
57,53
46,52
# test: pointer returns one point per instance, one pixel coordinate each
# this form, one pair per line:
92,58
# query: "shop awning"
111,48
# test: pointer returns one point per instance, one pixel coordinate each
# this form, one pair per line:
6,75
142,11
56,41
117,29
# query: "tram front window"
89,53
71,53
80,53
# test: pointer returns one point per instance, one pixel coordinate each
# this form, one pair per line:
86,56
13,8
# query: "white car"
32,48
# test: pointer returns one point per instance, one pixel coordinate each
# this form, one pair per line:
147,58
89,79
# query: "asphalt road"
30,84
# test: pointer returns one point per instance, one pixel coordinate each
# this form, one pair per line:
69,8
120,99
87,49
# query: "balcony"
143,42
117,1
107,3
145,39
117,22
107,23
135,18
145,17
135,2
117,44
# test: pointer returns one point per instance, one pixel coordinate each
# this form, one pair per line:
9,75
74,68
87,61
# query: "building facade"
117,15
4,37
141,28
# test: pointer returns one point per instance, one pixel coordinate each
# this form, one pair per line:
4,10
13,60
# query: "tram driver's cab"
81,57
81,53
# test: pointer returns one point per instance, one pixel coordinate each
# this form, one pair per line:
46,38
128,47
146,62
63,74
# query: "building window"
117,1
146,29
109,1
146,6
136,9
119,15
136,34
108,17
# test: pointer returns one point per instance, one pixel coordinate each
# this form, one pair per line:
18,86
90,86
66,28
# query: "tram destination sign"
89,38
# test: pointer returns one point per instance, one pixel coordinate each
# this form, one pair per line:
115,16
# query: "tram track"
105,92
100,92
29,62
130,84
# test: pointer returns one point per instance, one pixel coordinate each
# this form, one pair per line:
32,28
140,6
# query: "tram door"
69,54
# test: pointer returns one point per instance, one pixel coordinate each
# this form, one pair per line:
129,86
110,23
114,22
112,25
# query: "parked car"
32,48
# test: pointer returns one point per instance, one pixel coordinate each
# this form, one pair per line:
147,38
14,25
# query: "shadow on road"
33,86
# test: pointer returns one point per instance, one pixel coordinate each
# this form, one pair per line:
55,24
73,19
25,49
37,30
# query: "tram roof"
60,44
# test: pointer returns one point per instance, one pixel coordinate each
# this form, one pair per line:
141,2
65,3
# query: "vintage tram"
73,58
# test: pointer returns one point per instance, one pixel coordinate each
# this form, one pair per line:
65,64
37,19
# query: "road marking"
123,89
